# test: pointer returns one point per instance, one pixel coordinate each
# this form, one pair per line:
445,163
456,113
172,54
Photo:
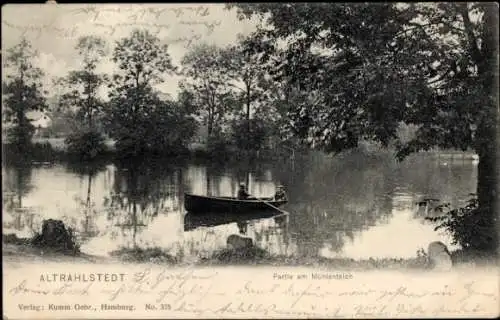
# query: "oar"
274,207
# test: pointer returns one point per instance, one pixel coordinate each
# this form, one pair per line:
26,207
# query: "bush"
242,255
469,226
20,136
158,127
218,144
130,146
86,144
153,255
14,154
253,140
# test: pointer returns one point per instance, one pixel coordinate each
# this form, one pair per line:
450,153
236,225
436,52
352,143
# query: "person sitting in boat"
280,194
242,192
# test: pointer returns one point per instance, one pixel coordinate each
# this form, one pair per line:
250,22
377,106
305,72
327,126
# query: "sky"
53,30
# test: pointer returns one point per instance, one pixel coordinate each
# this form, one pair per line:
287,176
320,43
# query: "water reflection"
141,191
16,182
194,221
85,221
350,206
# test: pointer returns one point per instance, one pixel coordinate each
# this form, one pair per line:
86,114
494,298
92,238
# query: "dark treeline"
220,102
325,76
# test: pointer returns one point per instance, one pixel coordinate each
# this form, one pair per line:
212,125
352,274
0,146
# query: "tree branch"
473,46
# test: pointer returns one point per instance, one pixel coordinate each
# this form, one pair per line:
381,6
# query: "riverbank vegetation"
22,249
356,72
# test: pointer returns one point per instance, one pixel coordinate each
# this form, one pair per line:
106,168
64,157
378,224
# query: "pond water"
353,205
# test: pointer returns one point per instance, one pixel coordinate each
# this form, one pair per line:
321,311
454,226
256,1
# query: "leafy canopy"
138,118
82,86
368,67
22,92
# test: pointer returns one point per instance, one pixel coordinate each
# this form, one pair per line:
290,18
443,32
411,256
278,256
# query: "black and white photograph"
250,160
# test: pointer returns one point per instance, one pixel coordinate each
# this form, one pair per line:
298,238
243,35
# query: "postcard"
274,160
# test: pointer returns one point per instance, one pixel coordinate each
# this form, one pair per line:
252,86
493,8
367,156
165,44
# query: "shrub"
218,144
242,255
253,140
20,136
469,226
86,144
153,255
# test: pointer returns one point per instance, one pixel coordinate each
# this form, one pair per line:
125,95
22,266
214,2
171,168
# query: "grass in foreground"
152,255
258,256
13,246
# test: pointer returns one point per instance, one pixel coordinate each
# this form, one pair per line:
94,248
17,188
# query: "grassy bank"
20,249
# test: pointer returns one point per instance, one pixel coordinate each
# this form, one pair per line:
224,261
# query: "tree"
206,69
138,118
22,92
277,100
246,72
84,84
369,67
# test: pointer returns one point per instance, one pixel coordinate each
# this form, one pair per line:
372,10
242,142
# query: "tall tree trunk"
486,179
20,189
486,132
89,102
248,108
134,224
88,206
247,178
180,191
208,181
487,197
209,123
89,189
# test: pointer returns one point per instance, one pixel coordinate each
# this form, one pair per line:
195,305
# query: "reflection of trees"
446,180
244,170
272,234
140,193
213,178
214,175
240,172
332,198
85,205
16,180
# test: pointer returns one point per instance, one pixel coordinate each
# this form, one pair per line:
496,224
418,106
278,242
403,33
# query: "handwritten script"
173,24
214,293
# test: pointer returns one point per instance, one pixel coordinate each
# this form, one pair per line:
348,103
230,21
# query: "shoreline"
21,254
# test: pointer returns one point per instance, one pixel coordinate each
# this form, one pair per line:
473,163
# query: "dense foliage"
251,136
85,144
365,68
22,92
83,85
467,226
206,70
326,76
138,119
82,99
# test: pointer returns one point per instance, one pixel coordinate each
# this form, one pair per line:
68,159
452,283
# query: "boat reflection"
212,219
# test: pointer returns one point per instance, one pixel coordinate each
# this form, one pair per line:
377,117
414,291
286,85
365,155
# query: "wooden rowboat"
199,204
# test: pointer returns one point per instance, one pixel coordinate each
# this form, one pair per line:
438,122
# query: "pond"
352,205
